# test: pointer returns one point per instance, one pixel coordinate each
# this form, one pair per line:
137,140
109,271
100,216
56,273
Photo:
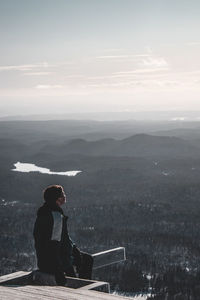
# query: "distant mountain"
148,145
185,133
140,145
172,115
56,131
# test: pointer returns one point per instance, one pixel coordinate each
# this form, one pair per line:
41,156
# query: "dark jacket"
54,248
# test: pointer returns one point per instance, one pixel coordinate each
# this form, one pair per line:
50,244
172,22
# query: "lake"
28,167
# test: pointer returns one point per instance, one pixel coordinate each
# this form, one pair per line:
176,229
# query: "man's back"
56,253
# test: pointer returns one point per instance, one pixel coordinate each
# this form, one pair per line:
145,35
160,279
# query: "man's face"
62,199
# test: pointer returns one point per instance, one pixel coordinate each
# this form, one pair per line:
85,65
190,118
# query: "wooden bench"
108,257
101,259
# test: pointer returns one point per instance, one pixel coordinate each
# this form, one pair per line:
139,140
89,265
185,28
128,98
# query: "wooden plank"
97,286
78,283
75,283
108,257
104,296
58,293
74,294
44,279
46,292
13,276
97,294
38,294
8,293
24,278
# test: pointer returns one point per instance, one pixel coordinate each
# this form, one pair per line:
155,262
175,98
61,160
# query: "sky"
77,56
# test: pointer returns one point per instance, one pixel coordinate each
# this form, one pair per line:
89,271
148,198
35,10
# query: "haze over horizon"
99,56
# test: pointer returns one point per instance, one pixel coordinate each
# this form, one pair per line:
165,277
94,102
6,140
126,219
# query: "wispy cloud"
139,71
37,73
112,56
48,86
74,76
124,72
26,67
158,62
122,56
136,85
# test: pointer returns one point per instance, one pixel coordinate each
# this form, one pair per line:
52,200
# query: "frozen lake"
26,168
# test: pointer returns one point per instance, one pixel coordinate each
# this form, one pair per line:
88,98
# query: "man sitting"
56,252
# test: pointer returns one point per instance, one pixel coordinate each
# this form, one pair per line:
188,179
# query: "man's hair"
52,193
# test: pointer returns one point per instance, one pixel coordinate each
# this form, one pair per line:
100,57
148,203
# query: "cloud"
112,56
138,84
26,67
37,73
140,63
139,71
48,86
122,56
75,76
158,62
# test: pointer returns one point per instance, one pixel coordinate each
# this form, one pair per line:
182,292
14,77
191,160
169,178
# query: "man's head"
54,194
